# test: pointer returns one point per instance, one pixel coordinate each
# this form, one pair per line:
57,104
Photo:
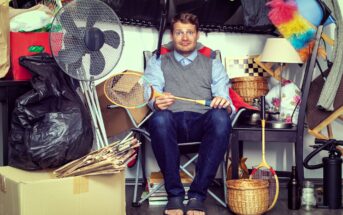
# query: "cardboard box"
40,193
117,120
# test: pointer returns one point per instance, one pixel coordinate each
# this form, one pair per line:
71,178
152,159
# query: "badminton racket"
264,170
134,90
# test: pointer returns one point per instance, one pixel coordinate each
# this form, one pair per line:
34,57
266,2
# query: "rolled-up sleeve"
153,73
221,82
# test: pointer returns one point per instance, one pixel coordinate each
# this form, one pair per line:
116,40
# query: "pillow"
291,98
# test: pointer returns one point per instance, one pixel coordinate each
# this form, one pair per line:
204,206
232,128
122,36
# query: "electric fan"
86,40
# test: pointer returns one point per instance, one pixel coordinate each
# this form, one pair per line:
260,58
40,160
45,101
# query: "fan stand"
88,89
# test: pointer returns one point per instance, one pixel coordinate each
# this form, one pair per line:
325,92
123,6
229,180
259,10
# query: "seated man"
186,73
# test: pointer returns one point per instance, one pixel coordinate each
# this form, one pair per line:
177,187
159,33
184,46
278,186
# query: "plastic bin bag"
255,13
50,125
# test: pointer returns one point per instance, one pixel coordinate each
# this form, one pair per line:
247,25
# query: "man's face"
185,38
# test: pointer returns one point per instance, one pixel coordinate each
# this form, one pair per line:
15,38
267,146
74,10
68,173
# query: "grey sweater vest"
191,81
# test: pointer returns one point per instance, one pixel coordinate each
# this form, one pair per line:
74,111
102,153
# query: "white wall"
279,155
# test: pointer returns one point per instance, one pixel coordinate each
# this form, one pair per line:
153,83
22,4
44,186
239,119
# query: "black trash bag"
255,13
50,125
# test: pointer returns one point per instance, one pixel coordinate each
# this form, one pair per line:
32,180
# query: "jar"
308,199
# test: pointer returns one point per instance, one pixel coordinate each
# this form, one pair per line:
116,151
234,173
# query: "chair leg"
134,201
299,160
224,181
234,155
183,168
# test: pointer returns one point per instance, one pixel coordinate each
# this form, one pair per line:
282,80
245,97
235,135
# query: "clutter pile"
108,160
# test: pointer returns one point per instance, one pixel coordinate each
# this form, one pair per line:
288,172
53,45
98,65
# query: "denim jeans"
167,129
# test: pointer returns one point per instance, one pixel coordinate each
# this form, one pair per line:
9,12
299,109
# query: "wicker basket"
250,87
248,196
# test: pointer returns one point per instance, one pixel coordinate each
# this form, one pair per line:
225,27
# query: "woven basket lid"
247,184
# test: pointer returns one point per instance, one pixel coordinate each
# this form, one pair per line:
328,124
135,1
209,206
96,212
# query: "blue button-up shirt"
220,80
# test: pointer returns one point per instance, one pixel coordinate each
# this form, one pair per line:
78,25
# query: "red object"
20,44
203,50
238,101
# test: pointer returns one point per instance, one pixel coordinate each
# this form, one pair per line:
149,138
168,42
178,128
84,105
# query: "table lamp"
279,50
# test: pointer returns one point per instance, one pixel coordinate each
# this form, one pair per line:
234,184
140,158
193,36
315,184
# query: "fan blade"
74,66
91,20
68,23
70,55
112,38
97,63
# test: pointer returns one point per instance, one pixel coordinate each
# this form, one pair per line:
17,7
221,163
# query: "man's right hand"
163,101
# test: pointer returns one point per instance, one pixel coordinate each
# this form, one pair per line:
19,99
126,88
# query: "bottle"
293,191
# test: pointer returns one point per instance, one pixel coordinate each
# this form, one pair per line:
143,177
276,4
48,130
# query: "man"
186,73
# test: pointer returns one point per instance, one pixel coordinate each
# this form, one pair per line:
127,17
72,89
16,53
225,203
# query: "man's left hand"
220,102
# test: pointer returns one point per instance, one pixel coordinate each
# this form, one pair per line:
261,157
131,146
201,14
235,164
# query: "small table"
10,90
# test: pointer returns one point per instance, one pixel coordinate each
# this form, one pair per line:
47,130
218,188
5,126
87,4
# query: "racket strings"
265,174
127,90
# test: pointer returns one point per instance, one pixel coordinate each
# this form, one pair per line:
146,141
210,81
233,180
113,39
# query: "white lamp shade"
279,50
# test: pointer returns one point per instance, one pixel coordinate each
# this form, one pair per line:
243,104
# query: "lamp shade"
279,50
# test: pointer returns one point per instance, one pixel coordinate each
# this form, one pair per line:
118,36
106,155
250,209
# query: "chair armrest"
235,118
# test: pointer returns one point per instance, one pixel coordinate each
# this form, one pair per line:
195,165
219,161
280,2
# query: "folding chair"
185,150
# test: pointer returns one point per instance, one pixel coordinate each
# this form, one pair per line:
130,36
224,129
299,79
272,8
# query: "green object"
38,49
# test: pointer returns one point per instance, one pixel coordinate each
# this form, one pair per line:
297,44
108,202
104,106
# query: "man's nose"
184,36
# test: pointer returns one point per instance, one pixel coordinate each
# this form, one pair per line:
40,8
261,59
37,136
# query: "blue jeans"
167,129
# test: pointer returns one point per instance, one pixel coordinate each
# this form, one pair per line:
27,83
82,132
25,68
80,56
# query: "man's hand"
220,102
164,101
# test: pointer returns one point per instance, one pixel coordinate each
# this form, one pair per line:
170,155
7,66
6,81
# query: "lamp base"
278,124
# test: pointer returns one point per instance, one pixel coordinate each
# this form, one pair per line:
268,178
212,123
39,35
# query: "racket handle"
263,107
203,102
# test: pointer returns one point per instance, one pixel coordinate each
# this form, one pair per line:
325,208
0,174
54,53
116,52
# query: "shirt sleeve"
221,82
153,73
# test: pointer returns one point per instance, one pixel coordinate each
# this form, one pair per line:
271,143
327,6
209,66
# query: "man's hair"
185,18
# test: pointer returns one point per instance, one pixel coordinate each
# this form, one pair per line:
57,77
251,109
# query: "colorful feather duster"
292,26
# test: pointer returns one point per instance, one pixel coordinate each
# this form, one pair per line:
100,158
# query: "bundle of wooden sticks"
108,160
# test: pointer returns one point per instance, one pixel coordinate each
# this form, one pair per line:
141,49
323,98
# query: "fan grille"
68,45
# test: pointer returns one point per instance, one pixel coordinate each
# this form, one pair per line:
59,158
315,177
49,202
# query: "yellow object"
265,165
40,193
297,24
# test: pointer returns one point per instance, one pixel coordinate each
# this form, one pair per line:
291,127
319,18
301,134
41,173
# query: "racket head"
128,89
265,172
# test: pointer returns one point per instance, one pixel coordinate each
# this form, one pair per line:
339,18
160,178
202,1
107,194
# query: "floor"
213,208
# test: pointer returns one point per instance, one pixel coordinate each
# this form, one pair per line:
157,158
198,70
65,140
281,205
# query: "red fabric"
205,51
238,102
20,44
164,50
133,162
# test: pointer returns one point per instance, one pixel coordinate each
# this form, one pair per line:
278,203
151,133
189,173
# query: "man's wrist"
155,106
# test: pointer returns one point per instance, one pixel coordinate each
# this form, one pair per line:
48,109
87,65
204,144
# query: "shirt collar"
190,57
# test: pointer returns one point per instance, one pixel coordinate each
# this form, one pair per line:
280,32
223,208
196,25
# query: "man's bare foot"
174,212
195,207
195,213
175,206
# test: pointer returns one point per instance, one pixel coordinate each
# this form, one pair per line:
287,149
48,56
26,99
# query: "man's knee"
161,119
219,119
